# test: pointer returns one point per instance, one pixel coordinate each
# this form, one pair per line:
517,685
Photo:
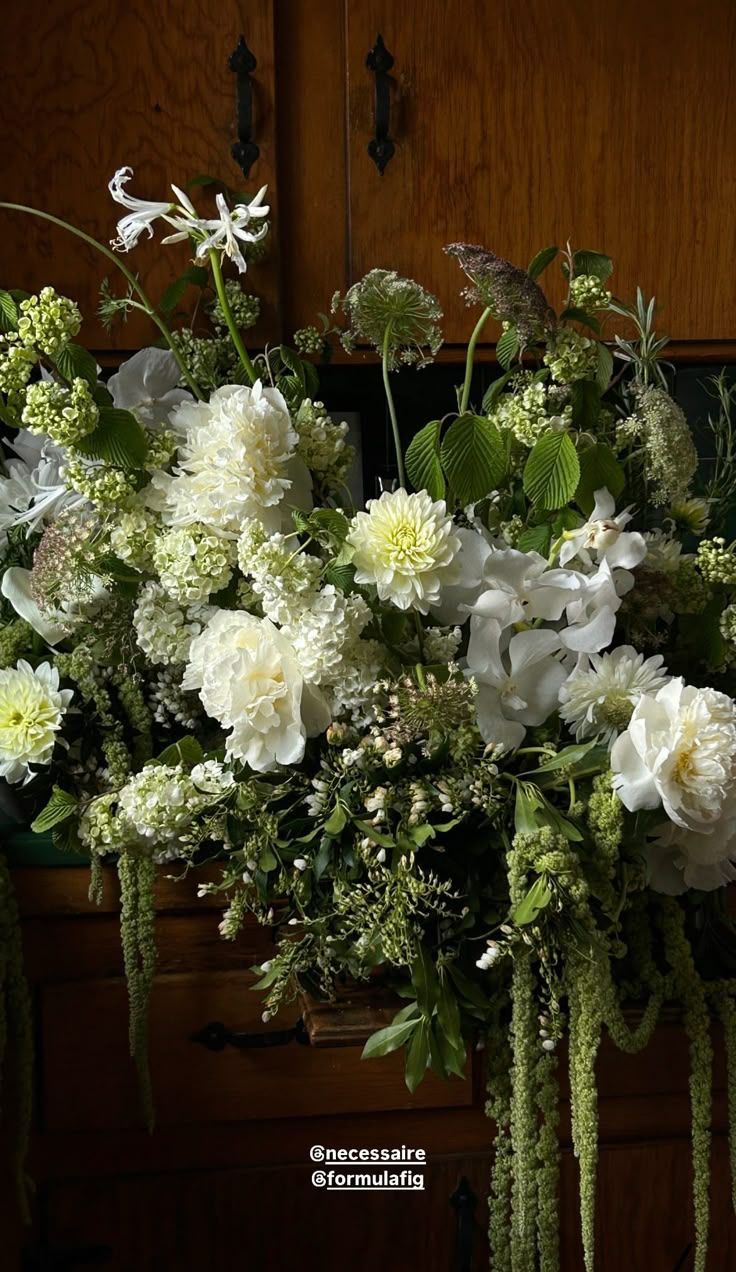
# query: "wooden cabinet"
514,126
227,1177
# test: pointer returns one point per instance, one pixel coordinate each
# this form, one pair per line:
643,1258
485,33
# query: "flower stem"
146,304
470,357
228,314
392,408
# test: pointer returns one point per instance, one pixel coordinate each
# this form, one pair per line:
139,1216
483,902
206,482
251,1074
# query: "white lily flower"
51,494
148,385
142,214
603,535
518,686
223,233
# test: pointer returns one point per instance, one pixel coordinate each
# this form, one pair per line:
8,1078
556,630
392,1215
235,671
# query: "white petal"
16,588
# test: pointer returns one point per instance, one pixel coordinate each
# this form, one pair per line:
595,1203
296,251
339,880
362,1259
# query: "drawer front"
89,1082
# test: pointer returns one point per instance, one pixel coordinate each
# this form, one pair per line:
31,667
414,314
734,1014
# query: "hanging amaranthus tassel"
498,1108
585,1006
722,996
16,1024
137,921
525,1043
691,991
548,1164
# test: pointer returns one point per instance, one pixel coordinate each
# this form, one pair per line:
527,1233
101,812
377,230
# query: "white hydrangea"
284,578
192,563
237,461
353,685
323,634
600,695
212,778
156,805
406,545
164,631
441,644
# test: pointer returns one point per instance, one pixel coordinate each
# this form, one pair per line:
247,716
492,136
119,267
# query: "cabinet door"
90,86
517,126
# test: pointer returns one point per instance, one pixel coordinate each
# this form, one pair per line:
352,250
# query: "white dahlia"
237,461
600,695
32,707
679,751
407,546
250,681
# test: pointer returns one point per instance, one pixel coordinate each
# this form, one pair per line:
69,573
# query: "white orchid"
518,684
603,538
17,493
148,385
591,614
519,588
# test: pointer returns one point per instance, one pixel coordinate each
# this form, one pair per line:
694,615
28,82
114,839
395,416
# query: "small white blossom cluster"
284,578
192,562
321,443
325,634
132,536
164,630
531,410
571,356
169,703
48,322
442,643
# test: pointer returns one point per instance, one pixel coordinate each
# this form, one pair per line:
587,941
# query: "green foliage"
507,347
118,439
74,361
598,468
60,807
423,460
552,471
8,313
194,276
187,751
542,259
595,263
473,457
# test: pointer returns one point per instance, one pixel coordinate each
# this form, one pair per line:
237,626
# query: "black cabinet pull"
381,148
243,63
216,1037
464,1201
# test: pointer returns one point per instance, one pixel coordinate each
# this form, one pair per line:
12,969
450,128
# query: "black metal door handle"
216,1037
380,147
243,63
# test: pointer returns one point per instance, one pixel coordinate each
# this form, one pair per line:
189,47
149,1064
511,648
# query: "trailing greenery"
16,1033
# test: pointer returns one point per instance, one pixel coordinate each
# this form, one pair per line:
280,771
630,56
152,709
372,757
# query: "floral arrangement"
477,737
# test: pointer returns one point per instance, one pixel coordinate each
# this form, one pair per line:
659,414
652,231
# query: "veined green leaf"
507,347
423,460
541,261
60,807
8,312
75,362
341,576
535,539
494,391
186,751
473,457
587,262
552,471
605,367
598,468
537,899
332,520
118,439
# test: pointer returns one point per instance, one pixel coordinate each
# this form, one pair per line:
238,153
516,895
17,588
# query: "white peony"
600,695
407,546
679,752
680,859
237,461
603,537
32,707
250,681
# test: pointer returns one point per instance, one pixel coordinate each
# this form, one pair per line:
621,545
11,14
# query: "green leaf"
267,860
507,347
417,1056
605,368
337,820
466,987
565,758
596,263
196,276
586,405
424,979
473,457
8,312
598,468
494,391
536,900
384,1041
60,808
118,570
423,460
552,471
75,362
579,315
118,439
535,539
528,801
186,751
419,835
323,859
331,520
375,836
541,261
341,576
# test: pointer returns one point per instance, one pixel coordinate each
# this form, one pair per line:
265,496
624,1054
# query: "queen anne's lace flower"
237,461
406,545
32,707
600,695
249,680
679,752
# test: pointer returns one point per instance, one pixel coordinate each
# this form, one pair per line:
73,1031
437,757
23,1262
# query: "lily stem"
146,305
392,408
228,313
470,358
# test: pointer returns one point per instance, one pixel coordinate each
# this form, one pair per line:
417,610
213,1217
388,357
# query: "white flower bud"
300,863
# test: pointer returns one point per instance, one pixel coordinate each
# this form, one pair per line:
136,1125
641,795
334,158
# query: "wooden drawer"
89,1083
